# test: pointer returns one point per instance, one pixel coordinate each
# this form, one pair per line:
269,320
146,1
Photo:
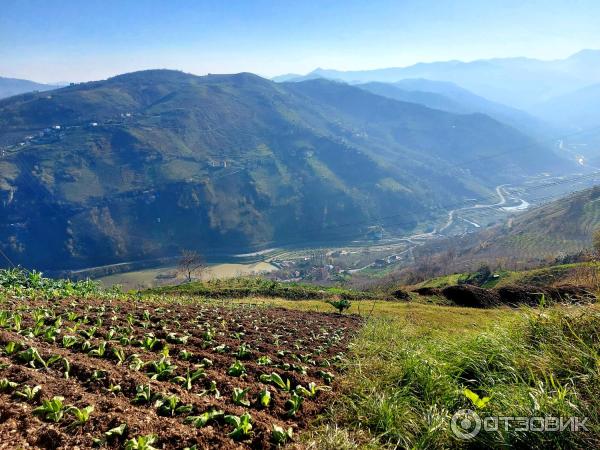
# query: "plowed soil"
301,347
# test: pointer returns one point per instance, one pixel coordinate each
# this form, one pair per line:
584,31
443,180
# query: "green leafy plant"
52,410
12,347
150,342
88,333
173,338
141,443
161,369
143,394
31,356
80,416
311,391
264,398
243,352
328,377
242,427
294,404
280,435
29,393
119,354
69,341
185,355
114,388
7,385
100,351
189,378
135,362
237,369
263,361
239,396
204,418
276,380
171,406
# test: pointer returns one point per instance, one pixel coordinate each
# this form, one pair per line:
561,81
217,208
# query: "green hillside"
549,232
144,164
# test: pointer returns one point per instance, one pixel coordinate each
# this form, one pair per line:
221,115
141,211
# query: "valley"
376,254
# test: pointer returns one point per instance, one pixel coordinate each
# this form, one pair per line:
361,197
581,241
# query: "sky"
81,40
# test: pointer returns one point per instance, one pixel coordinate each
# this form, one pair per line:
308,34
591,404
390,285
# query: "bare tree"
190,263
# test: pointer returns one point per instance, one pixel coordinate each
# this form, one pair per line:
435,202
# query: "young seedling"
141,443
242,426
185,355
237,369
80,416
31,356
161,369
89,333
189,378
209,334
212,389
264,398
276,380
143,394
119,354
328,377
294,403
66,368
280,435
135,363
150,342
243,352
114,388
7,385
52,410
311,391
204,418
174,339
171,406
239,396
263,361
69,341
11,348
100,351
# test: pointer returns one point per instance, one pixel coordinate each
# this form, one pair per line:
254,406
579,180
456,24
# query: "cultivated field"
163,375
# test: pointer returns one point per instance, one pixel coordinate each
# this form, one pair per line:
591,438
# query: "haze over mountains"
517,81
452,98
527,84
144,164
14,86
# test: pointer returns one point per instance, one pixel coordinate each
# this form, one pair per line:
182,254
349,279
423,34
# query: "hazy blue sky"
75,40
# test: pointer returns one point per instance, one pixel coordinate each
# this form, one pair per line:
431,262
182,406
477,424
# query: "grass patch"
260,287
406,379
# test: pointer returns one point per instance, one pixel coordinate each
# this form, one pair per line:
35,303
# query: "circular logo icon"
466,424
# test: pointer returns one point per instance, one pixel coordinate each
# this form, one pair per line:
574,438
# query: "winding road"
502,194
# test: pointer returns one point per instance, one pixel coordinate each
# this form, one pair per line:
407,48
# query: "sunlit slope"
144,164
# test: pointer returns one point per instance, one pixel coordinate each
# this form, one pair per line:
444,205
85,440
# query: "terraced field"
172,375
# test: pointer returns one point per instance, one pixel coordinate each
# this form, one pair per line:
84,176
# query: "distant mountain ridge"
15,86
518,82
144,164
452,98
